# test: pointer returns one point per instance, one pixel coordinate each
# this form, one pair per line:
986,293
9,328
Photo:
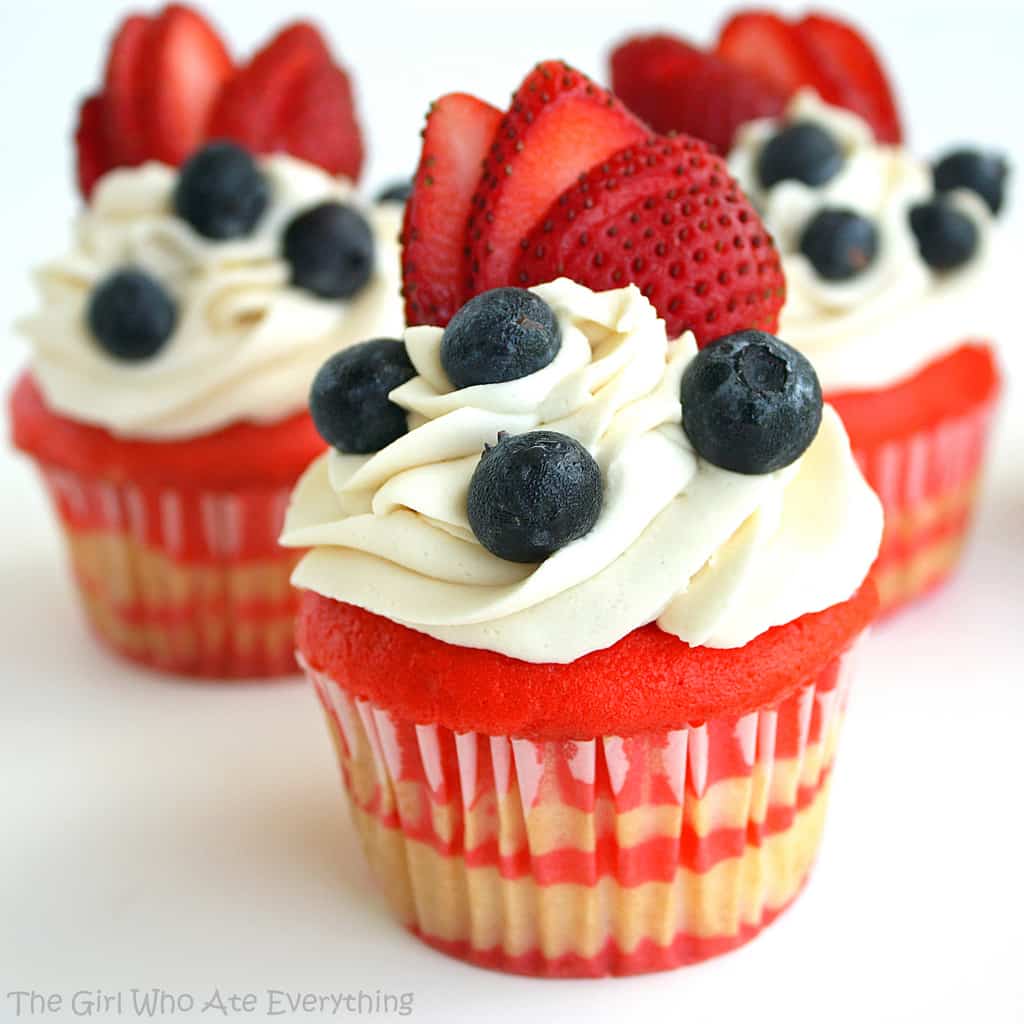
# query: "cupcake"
888,265
175,342
585,686
580,601
887,260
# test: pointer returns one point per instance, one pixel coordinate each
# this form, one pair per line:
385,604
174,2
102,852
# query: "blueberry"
221,192
839,243
130,315
802,151
984,173
349,397
396,192
751,403
532,494
946,237
330,249
500,335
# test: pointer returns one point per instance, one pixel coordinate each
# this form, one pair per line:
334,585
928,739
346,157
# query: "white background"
154,833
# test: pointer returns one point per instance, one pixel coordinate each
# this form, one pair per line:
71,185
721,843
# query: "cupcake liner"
189,581
927,482
614,855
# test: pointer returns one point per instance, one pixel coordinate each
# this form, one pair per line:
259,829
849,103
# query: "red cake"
919,235
165,402
580,598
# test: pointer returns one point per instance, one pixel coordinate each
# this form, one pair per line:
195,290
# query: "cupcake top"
195,298
623,481
883,274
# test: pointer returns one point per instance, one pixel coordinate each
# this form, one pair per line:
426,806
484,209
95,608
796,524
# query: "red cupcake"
174,344
580,603
887,260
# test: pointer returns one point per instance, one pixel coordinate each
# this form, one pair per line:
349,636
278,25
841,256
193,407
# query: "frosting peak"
715,557
247,342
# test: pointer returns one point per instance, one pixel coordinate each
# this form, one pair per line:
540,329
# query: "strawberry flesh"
559,125
184,65
92,156
861,84
458,133
667,216
676,87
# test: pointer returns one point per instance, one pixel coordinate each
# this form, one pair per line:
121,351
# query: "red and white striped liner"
459,772
187,526
929,464
206,617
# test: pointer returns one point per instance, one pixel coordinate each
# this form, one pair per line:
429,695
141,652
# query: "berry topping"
760,61
434,266
500,335
839,243
170,84
163,75
293,97
221,192
349,398
661,212
674,86
751,403
532,494
822,52
802,151
130,315
946,237
396,192
330,249
667,216
983,173
559,125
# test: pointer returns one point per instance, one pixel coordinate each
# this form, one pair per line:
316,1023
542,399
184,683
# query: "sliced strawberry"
676,87
124,107
456,138
319,123
667,216
292,97
162,76
184,65
769,46
560,124
92,159
250,106
862,84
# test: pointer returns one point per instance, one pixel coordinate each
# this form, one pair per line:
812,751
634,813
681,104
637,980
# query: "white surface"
159,834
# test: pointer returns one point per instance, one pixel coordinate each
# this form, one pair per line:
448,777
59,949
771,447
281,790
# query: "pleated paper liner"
188,581
609,856
928,483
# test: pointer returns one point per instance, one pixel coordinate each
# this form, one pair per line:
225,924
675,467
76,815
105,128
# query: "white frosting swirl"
714,557
246,344
897,316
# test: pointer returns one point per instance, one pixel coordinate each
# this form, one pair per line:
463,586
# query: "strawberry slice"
161,79
676,87
458,132
292,97
319,123
667,216
861,82
770,47
124,112
184,65
560,124
92,159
